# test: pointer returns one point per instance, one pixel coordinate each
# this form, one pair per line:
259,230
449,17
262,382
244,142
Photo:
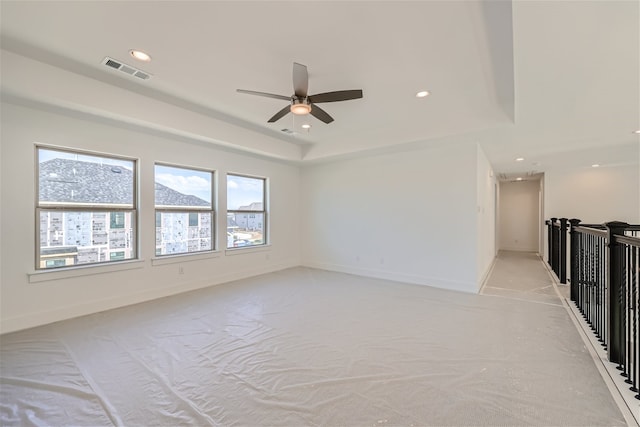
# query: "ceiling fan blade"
280,114
339,95
268,95
320,114
300,80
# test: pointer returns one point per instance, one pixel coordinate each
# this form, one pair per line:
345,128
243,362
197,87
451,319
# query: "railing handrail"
605,261
596,226
627,240
590,230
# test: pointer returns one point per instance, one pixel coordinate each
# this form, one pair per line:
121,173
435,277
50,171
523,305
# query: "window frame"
265,228
83,207
189,210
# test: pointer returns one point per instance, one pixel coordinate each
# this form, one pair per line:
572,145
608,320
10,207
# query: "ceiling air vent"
288,131
125,68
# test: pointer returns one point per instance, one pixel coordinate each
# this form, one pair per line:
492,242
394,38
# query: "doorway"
519,212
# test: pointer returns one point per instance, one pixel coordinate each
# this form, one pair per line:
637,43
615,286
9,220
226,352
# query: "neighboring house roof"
75,181
165,196
255,206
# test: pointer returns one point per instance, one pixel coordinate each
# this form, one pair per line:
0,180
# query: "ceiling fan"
300,102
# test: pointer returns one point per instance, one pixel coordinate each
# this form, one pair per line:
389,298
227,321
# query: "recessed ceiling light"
306,126
519,178
595,165
422,94
140,55
636,131
519,159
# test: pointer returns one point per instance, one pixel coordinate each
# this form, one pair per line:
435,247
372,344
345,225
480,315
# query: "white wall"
593,195
408,216
29,300
486,220
519,216
26,78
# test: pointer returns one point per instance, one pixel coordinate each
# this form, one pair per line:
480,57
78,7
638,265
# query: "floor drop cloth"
306,347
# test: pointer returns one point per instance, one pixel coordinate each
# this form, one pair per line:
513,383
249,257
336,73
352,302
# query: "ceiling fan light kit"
300,103
300,107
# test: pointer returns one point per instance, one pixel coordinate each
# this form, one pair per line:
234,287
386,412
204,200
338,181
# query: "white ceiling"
546,81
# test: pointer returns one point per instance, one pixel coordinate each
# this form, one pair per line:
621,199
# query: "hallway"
521,275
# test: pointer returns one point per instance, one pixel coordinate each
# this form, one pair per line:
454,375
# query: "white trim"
42,318
453,285
184,257
247,250
487,274
83,270
628,406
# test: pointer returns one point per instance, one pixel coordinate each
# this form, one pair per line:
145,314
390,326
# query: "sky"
186,181
242,191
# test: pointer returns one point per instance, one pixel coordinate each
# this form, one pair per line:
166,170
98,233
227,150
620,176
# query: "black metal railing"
628,249
557,246
604,276
588,277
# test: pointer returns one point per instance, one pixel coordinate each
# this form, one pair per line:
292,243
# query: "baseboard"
535,250
487,274
43,318
628,405
468,287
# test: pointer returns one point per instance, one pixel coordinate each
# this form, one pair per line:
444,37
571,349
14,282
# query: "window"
184,210
55,263
117,219
245,211
86,208
193,219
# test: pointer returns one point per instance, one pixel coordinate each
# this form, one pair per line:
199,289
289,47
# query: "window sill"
83,270
178,258
247,250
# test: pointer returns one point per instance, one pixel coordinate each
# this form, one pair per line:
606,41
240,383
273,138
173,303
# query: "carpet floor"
306,347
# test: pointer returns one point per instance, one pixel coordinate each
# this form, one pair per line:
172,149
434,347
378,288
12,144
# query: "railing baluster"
632,315
549,240
628,338
555,245
574,259
562,261
635,315
615,297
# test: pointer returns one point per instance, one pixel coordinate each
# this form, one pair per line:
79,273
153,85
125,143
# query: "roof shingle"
75,181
